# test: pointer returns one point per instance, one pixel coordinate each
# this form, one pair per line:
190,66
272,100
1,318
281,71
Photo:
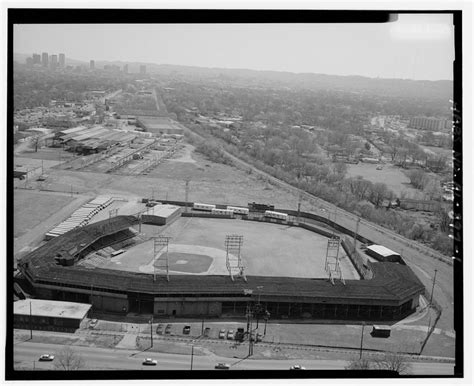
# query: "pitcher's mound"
185,262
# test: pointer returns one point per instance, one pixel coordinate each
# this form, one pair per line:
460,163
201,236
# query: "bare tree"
359,364
35,142
69,360
393,361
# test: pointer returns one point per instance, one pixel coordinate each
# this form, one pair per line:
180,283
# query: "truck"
239,335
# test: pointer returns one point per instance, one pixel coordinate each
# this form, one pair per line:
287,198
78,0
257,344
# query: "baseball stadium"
181,259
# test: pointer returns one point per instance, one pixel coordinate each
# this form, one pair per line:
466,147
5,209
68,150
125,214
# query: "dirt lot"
390,175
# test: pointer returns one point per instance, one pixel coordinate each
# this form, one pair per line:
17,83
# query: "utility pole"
299,208
432,289
361,340
151,330
355,233
202,327
186,196
92,298
192,355
250,336
31,326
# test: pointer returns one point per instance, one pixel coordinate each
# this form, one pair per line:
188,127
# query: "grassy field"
31,208
268,250
390,175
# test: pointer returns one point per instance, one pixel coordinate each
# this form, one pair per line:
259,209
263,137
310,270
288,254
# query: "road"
26,356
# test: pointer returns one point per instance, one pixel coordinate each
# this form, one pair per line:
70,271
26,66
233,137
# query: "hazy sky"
415,47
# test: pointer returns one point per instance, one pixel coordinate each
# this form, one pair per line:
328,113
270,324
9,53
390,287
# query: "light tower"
159,243
332,265
233,245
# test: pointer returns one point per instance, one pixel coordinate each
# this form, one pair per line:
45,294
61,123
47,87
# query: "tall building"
125,68
142,69
62,60
44,59
92,65
36,59
54,61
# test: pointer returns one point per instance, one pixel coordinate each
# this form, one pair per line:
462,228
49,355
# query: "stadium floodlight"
159,242
332,264
233,245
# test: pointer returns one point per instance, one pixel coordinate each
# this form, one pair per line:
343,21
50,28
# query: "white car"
297,367
46,357
150,362
230,335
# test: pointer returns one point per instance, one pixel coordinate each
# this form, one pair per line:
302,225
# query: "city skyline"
418,47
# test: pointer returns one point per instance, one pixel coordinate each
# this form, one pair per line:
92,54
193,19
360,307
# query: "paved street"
27,354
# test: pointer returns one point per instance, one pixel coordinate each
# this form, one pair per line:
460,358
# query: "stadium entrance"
140,303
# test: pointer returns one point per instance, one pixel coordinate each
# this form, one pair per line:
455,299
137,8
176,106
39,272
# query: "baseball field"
197,247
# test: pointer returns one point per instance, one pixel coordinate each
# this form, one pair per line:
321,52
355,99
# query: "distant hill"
403,88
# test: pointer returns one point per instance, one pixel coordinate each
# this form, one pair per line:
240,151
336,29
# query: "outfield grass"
268,249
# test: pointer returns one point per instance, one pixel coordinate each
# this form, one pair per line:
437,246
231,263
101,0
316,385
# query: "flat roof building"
53,315
382,253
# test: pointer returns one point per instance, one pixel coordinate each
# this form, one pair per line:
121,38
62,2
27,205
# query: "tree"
35,142
69,360
416,178
379,193
340,168
393,361
359,364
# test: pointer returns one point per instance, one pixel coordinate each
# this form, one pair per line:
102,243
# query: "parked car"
207,331
186,330
150,362
46,358
93,323
222,366
159,329
168,329
259,337
230,335
297,367
222,333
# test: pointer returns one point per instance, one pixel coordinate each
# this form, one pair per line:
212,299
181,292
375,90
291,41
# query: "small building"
381,253
49,315
161,214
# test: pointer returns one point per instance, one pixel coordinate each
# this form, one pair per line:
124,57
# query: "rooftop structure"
51,308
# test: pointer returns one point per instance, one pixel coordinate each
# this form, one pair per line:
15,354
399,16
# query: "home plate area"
189,259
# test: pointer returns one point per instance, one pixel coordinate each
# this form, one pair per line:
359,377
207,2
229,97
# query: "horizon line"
245,69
